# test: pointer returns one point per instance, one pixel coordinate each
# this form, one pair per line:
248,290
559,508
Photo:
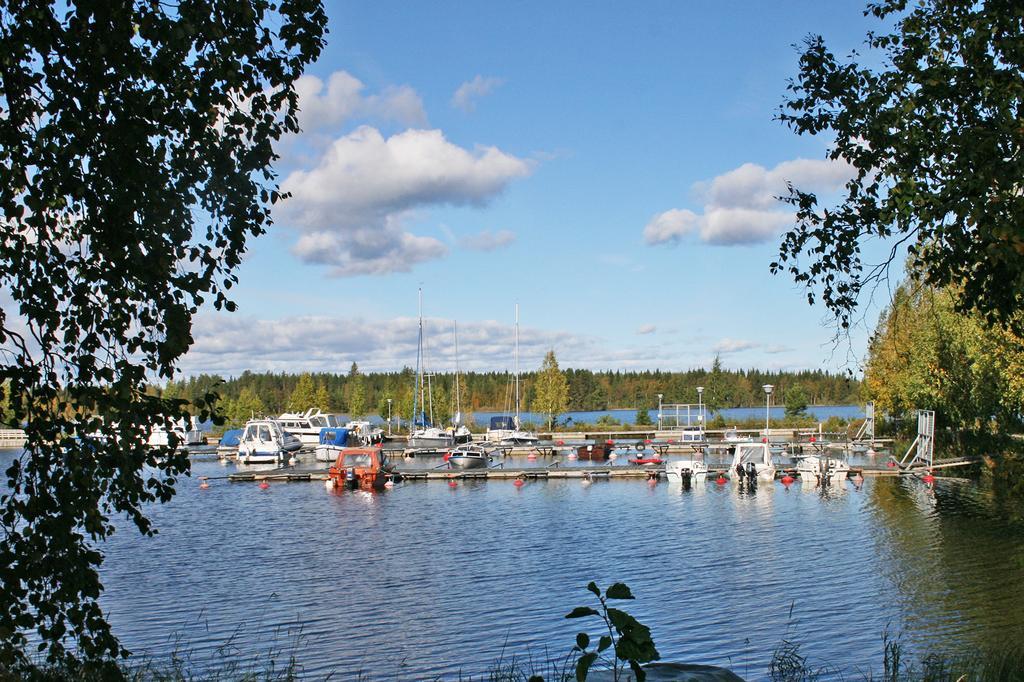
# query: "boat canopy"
505,422
231,438
334,436
758,453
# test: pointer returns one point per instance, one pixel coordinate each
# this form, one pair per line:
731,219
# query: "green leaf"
583,665
639,672
592,586
583,641
604,643
581,611
619,591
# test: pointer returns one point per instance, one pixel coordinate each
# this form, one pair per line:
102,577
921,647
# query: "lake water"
729,414
424,580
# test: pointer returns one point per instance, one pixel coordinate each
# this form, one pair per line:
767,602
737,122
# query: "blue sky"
608,166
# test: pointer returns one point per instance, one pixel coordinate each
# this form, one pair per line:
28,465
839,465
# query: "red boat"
653,460
365,468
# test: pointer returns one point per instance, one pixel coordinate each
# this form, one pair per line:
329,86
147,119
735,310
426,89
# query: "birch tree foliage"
551,389
135,147
934,140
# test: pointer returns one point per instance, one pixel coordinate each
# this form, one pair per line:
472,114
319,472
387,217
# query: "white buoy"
585,482
871,452
292,461
612,457
329,483
389,483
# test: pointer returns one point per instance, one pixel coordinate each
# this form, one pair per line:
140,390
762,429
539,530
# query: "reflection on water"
426,580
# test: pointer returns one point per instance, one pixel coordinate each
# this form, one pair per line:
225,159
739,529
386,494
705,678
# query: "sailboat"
507,429
461,432
424,433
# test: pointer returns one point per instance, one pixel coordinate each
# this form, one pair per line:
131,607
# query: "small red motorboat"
365,468
652,460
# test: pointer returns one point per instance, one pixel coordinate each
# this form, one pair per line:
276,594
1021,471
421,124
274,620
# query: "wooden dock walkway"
634,472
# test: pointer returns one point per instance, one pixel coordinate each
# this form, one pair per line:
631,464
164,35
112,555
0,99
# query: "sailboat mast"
417,394
458,401
516,364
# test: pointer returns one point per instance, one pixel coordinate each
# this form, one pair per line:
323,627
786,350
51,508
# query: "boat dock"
634,472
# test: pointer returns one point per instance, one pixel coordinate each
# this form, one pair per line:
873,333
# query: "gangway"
922,451
867,429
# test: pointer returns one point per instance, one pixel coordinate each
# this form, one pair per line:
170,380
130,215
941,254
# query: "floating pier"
625,472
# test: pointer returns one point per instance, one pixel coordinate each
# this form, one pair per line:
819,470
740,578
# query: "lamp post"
659,412
389,417
767,401
700,406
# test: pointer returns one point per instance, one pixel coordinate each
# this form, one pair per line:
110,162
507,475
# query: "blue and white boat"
262,441
332,441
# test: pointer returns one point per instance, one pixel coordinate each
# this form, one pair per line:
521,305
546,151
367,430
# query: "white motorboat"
262,441
365,432
732,437
507,429
159,436
306,425
752,462
686,470
431,437
817,471
469,456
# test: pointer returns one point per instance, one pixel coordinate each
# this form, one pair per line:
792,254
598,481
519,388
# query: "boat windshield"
749,453
358,460
264,433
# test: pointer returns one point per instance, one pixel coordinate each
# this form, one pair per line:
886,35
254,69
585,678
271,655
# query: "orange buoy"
518,483
264,485
532,456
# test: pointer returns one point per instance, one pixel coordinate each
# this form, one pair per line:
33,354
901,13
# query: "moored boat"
685,470
186,434
469,456
262,441
597,452
332,442
752,462
366,468
817,471
306,425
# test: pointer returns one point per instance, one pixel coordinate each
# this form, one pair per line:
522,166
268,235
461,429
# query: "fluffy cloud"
727,345
350,207
646,329
487,240
740,206
326,105
230,344
467,94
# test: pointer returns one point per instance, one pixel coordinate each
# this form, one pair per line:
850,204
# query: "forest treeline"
364,394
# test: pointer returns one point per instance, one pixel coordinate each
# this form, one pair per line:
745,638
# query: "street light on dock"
767,401
659,412
700,406
389,417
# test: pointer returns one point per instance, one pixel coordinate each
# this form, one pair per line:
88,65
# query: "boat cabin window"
264,433
250,433
317,422
333,421
357,460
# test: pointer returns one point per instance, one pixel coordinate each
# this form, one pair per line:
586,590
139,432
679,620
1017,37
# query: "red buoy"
518,483
765,439
812,439
561,442
721,480
447,456
452,484
264,485
670,441
648,441
787,480
928,478
203,485
532,456
890,464
610,442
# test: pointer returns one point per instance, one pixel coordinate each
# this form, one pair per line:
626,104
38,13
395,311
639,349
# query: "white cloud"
727,345
646,329
323,106
740,206
466,95
487,240
350,207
